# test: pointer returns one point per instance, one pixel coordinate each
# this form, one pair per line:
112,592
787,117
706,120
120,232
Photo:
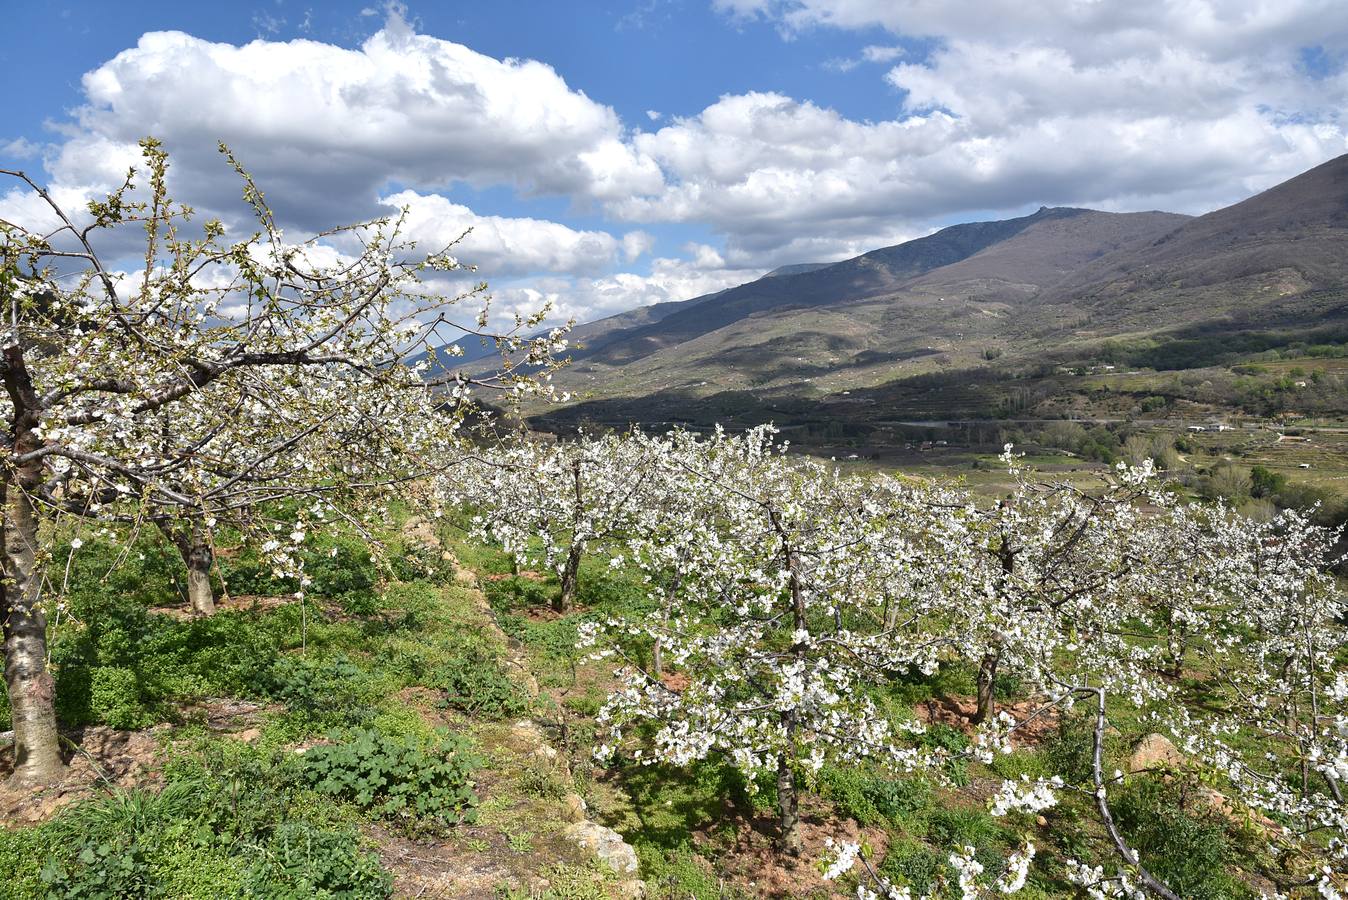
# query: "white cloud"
878,54
324,127
21,148
873,53
1183,105
635,244
587,299
501,246
1179,105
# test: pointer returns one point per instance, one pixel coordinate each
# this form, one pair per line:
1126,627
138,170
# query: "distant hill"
1003,298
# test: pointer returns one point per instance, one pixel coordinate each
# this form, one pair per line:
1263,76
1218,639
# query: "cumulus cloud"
586,299
330,125
503,246
1153,104
1185,106
636,244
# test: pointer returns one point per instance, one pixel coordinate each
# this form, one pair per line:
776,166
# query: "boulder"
1155,751
605,844
574,808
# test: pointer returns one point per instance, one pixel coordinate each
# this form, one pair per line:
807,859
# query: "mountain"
1000,302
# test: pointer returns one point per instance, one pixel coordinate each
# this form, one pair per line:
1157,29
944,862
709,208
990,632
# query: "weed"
401,778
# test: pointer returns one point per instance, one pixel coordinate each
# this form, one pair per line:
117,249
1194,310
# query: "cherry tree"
776,619
551,502
787,592
223,376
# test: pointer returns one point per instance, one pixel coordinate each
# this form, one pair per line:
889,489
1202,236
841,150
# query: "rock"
605,844
526,736
248,735
1155,751
630,890
574,808
422,532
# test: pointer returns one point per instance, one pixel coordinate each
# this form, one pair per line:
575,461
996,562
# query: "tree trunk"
987,676
199,592
28,681
891,614
987,667
194,545
788,802
569,575
788,807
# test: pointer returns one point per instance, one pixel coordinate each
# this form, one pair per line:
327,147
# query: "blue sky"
609,155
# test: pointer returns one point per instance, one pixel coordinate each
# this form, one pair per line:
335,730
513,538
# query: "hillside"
990,300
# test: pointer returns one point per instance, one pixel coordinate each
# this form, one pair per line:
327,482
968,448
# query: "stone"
605,844
574,808
630,890
1155,751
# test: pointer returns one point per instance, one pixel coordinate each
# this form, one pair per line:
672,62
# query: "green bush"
678,874
341,567
1069,753
1187,851
871,799
151,570
334,691
116,698
474,681
301,862
509,594
99,870
126,667
400,777
915,866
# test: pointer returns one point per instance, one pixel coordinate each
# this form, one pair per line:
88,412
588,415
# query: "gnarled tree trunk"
987,666
987,677
788,803
194,545
28,681
788,798
570,572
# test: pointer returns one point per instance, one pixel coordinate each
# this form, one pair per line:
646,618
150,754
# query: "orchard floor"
453,643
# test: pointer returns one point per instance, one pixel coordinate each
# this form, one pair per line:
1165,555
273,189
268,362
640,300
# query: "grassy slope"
226,806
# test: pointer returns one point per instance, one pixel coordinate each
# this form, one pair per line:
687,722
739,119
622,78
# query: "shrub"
1186,851
474,681
401,777
99,870
335,690
342,568
679,874
301,861
874,800
115,698
914,866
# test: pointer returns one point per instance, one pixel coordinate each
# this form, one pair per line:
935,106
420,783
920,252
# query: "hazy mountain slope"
835,328
1045,254
867,275
1266,259
976,316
